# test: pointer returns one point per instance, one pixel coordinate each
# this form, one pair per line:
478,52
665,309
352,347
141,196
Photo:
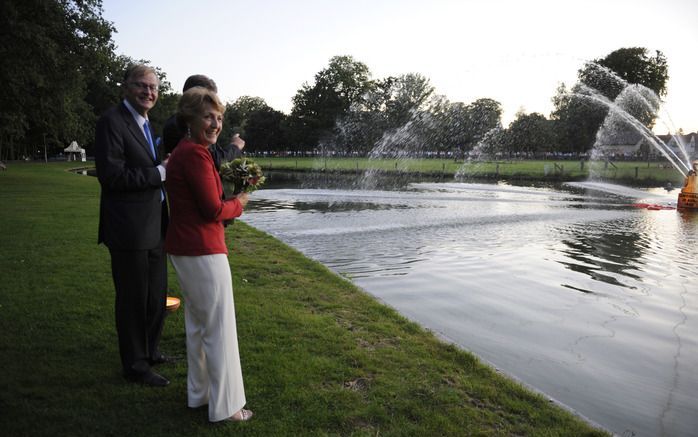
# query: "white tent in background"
73,150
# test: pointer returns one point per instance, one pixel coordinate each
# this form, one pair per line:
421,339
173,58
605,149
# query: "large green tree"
457,127
318,106
632,65
483,115
53,52
264,130
408,94
365,122
262,127
576,118
237,115
391,110
528,135
60,73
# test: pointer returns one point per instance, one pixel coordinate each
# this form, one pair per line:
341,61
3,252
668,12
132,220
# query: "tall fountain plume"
410,140
631,111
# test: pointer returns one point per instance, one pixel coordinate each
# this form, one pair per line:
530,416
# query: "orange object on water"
688,197
687,201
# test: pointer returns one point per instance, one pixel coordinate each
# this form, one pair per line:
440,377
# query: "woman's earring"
188,131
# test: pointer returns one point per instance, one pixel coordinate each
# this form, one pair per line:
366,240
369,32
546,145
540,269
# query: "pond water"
569,289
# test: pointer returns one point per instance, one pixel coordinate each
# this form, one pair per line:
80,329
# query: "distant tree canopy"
317,107
347,111
529,134
631,65
53,52
60,73
237,115
259,124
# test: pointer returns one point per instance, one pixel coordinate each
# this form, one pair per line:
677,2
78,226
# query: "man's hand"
238,142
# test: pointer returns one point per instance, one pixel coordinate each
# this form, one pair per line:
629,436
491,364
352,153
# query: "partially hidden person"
232,151
171,131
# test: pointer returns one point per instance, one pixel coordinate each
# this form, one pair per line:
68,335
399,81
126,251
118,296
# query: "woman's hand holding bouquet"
244,174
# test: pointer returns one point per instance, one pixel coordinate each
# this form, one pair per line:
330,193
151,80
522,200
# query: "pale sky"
513,51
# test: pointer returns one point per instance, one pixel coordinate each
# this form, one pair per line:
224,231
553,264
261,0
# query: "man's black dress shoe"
149,378
162,359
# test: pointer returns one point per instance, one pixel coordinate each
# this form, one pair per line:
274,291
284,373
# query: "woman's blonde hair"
192,104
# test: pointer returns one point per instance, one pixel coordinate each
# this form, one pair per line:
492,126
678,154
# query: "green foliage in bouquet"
245,175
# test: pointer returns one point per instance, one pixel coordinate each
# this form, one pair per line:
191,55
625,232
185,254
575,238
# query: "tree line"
61,72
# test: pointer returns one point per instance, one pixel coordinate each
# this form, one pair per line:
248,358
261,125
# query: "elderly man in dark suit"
132,223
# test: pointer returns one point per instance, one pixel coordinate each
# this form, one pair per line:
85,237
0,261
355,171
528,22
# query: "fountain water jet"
483,149
618,113
634,102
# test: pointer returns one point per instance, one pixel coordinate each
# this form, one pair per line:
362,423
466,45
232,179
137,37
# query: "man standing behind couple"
172,133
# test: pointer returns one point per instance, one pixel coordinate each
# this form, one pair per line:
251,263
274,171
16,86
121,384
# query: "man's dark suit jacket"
171,134
131,214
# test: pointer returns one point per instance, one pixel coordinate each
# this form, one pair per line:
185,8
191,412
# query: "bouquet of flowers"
244,174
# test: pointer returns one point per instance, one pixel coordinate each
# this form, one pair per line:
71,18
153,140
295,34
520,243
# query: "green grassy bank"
319,356
629,172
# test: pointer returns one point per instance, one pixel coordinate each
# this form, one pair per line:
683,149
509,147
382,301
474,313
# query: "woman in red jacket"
195,242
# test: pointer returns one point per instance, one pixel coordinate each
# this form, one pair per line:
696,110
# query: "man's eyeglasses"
145,86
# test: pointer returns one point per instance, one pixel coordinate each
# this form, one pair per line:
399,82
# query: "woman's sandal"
241,416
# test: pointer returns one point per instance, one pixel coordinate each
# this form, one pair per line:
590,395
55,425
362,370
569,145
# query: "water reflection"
323,207
570,289
608,252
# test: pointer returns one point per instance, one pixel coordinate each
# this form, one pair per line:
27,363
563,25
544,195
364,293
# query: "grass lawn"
319,356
